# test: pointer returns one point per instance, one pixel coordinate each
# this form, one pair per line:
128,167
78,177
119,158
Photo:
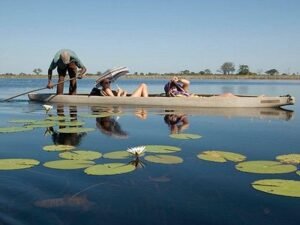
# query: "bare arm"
49,85
81,72
185,82
109,92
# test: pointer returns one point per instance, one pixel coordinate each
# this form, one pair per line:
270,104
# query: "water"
193,192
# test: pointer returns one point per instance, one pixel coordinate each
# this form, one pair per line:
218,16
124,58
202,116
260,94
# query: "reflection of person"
141,91
177,87
66,61
176,122
67,138
109,126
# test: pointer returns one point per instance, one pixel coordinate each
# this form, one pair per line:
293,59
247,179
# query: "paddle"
39,89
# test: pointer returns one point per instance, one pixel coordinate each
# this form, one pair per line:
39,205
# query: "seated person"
177,87
141,91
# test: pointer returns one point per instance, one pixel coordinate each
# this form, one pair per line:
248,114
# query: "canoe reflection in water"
176,122
73,139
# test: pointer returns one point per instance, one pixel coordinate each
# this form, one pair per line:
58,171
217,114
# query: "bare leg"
72,70
60,87
141,91
61,78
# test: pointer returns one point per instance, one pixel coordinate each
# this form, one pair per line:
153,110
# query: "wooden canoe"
200,101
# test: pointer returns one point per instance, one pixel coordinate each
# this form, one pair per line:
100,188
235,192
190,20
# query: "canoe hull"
193,102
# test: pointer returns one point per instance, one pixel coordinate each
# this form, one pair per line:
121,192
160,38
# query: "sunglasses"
106,82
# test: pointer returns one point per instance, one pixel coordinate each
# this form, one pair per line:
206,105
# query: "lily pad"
25,121
162,149
71,123
289,158
298,172
58,118
117,155
14,129
265,167
290,188
69,130
69,164
15,164
99,115
80,155
221,156
185,136
164,159
109,169
51,148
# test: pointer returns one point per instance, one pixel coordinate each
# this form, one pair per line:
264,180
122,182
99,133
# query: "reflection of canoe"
156,100
261,113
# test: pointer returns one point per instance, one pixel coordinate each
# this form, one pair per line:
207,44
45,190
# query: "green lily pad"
289,158
80,155
69,164
15,164
41,123
161,149
51,148
71,123
164,159
265,167
99,115
185,136
25,121
109,169
298,172
14,129
221,156
290,188
69,130
117,155
58,118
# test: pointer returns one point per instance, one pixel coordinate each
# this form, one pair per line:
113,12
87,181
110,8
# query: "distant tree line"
227,68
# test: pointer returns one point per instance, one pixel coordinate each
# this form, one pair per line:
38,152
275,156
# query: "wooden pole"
39,89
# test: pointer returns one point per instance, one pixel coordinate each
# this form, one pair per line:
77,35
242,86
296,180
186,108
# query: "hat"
65,57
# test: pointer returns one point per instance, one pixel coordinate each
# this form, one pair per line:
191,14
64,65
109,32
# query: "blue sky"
151,36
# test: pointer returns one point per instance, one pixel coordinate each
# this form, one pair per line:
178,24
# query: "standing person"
66,61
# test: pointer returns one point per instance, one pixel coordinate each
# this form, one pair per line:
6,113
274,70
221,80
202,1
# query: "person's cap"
65,57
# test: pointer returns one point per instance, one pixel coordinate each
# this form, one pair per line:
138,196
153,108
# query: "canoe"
200,101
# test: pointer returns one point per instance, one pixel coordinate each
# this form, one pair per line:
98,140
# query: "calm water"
193,192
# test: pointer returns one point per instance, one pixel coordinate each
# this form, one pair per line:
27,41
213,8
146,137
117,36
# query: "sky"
151,36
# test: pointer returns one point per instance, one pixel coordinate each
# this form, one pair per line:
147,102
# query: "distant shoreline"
166,77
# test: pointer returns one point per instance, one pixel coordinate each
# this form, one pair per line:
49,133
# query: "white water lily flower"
136,150
48,107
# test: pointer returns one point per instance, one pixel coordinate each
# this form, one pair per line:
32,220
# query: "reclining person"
141,91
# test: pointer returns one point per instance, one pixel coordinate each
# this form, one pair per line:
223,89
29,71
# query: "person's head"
171,119
105,83
65,57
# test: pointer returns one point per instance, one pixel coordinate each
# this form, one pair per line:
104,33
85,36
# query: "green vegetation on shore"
168,76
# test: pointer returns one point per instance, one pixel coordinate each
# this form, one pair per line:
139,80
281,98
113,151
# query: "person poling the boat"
66,61
177,87
141,91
